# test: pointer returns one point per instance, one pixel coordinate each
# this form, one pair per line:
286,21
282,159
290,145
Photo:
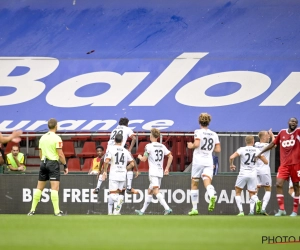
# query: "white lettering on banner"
178,196
4,124
172,75
27,85
159,124
285,92
63,94
77,195
193,93
223,197
27,197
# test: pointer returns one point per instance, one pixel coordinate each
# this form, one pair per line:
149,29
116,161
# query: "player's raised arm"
267,148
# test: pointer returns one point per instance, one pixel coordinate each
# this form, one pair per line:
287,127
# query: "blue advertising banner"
159,63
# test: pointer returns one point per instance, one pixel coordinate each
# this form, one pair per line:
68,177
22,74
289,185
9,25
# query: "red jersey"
289,146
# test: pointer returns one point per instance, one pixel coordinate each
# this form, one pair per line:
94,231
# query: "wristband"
65,166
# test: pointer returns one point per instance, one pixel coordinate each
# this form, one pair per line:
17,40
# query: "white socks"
210,190
162,201
266,199
238,201
99,181
194,198
129,179
253,201
148,199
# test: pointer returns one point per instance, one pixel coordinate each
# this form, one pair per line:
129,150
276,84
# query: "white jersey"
203,154
123,130
119,159
262,168
156,152
247,156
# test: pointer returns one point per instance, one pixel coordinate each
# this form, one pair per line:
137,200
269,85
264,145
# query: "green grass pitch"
144,232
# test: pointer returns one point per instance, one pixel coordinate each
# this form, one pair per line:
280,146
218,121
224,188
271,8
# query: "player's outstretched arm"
14,136
267,148
104,175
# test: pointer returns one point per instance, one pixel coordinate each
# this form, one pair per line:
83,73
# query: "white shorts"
264,180
154,181
94,172
251,182
115,185
202,171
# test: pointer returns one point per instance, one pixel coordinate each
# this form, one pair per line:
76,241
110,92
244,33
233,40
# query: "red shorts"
293,171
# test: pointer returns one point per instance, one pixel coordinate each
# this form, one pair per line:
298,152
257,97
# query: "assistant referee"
50,151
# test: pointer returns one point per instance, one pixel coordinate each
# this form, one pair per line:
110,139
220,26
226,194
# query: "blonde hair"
204,119
155,133
262,133
249,139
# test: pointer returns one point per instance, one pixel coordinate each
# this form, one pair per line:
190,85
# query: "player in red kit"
289,141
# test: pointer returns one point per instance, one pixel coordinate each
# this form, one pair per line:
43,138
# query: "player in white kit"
263,171
247,175
205,143
126,132
155,153
118,157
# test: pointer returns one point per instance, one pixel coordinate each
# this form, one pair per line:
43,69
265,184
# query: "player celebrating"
154,153
118,157
247,174
205,142
289,141
263,171
126,132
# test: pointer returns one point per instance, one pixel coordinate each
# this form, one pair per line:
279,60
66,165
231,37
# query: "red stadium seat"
68,149
143,166
88,150
141,148
104,145
74,164
87,164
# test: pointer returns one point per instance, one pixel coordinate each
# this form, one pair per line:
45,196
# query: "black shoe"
128,191
61,213
31,213
96,191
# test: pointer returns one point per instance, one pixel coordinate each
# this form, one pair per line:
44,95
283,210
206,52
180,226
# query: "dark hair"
124,121
118,138
52,123
100,147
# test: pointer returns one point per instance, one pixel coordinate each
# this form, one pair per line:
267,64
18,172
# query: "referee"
50,151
